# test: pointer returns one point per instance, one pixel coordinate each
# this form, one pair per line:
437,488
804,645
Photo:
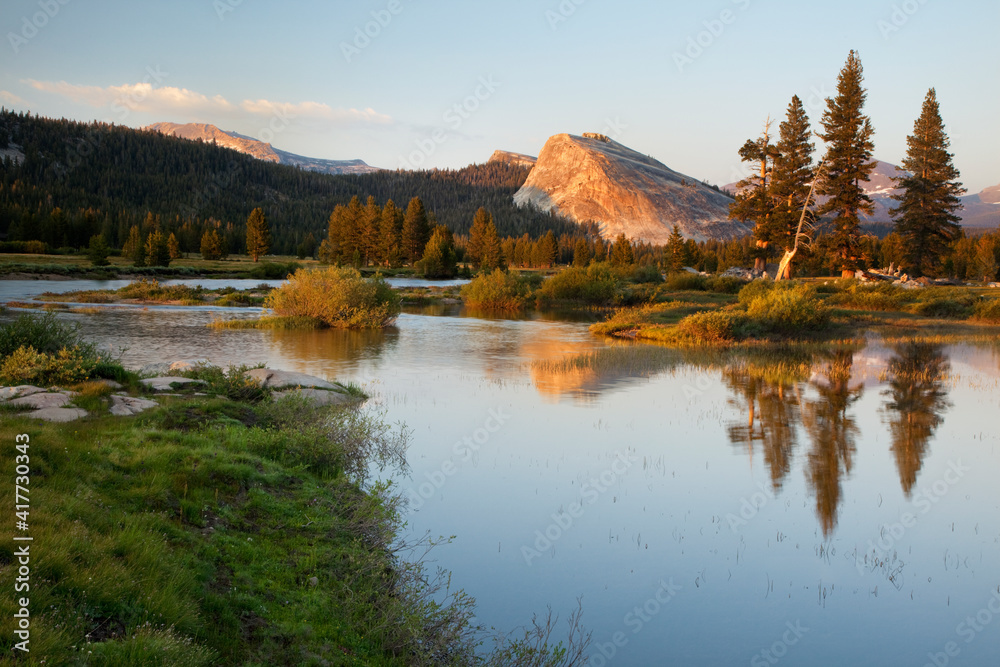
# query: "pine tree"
791,178
438,260
848,136
98,251
307,248
753,201
622,253
600,250
211,245
134,249
477,234
548,250
370,222
258,234
173,247
390,235
926,216
157,251
581,253
416,230
675,251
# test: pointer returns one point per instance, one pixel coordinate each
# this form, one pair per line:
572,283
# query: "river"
809,509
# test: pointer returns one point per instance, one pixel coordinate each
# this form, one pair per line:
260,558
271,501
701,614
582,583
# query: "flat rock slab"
58,414
42,400
274,379
7,393
167,383
126,406
318,396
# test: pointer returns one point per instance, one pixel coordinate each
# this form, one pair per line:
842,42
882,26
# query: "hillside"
259,149
79,179
593,178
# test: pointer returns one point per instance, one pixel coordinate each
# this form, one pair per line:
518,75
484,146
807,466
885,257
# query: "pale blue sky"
279,71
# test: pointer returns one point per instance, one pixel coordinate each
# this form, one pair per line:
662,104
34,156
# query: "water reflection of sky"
794,517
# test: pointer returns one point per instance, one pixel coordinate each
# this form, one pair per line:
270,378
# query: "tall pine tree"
753,199
925,217
390,235
258,234
848,162
416,230
792,176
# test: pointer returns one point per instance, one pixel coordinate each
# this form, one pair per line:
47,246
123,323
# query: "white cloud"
169,100
8,97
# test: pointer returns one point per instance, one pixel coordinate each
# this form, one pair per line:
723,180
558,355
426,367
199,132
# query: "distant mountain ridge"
516,159
594,178
259,149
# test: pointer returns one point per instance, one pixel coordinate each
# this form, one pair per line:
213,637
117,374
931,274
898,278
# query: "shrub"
713,326
45,334
788,311
725,284
987,310
955,307
28,366
685,281
499,290
645,273
336,297
275,270
598,284
870,296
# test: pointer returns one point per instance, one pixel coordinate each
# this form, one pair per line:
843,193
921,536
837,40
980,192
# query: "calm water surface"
835,509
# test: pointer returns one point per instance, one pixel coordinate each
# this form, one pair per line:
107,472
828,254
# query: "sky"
420,84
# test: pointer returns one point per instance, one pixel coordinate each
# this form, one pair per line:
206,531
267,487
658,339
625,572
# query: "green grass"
214,532
293,323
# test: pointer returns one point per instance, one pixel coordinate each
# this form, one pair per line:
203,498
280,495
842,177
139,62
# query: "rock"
110,384
594,178
7,393
515,159
275,379
994,285
690,269
167,383
43,400
179,366
313,581
58,414
737,272
126,406
319,396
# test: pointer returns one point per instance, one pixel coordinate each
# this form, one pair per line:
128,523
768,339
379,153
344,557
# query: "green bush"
596,285
336,297
787,310
870,296
499,290
987,310
645,273
28,366
957,307
45,334
725,284
684,281
274,270
714,326
152,290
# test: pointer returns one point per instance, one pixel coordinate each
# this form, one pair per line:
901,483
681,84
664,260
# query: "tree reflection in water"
917,399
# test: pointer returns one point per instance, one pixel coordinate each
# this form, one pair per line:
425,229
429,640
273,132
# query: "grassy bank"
226,528
806,312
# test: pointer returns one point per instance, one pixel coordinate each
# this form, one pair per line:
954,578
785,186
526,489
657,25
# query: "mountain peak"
258,149
594,178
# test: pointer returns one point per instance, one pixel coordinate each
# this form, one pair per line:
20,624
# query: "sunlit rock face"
594,178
